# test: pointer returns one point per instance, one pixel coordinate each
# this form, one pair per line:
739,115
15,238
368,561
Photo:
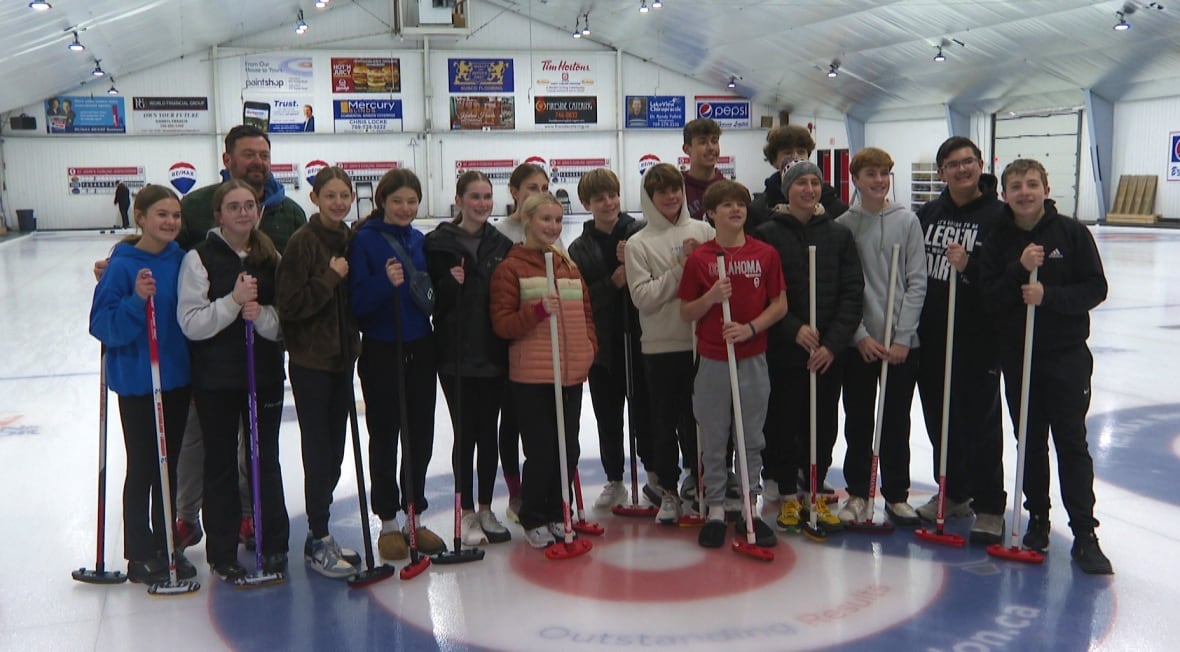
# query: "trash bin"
25,219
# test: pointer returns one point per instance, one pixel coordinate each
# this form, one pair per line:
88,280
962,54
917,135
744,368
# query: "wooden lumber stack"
1134,200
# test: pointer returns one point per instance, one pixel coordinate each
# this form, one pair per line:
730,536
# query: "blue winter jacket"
118,319
371,293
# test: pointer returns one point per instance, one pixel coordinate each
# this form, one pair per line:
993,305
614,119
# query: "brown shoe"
393,546
429,543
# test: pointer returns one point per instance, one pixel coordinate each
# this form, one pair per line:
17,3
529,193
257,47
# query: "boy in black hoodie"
955,226
784,145
1070,283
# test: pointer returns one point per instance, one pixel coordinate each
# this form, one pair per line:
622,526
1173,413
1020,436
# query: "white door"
1053,139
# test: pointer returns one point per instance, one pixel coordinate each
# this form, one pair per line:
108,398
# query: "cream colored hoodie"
655,263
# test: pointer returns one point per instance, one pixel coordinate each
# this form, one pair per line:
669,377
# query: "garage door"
1054,139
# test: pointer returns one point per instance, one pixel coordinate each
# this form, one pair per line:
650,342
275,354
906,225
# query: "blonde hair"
528,210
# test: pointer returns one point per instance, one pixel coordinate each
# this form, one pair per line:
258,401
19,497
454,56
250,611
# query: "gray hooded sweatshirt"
875,236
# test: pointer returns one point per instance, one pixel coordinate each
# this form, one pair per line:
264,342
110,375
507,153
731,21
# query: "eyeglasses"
951,166
235,208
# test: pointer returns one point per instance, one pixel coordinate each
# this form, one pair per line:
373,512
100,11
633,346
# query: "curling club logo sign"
182,176
539,162
646,162
312,168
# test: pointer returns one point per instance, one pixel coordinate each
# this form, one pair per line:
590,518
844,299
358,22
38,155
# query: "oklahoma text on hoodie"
118,319
875,236
655,265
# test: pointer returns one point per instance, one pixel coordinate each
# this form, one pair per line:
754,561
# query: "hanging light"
300,25
1122,25
586,25
98,71
833,70
320,4
657,5
112,90
76,45
732,82
40,5
940,57
643,6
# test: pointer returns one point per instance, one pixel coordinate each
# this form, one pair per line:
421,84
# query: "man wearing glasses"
955,225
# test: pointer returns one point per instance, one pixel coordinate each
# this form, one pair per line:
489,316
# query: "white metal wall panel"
1141,147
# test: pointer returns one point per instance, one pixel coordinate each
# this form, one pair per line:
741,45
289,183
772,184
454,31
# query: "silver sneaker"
492,527
901,513
327,560
539,537
669,508
472,533
953,509
855,510
988,528
613,493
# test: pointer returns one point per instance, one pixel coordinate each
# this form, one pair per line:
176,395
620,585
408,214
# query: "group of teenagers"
639,311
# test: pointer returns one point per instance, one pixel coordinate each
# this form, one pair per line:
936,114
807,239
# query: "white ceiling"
1015,55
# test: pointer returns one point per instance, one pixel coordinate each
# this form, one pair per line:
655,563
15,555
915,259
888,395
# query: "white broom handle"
887,342
739,428
558,400
946,369
1022,421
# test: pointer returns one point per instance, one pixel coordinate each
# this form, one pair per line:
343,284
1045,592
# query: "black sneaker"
152,571
184,568
1089,556
276,562
229,571
712,535
764,537
1037,536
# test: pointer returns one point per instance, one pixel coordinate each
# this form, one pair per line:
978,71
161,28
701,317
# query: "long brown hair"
262,251
465,180
144,199
391,182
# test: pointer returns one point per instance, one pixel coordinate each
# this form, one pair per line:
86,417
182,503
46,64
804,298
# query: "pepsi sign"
728,112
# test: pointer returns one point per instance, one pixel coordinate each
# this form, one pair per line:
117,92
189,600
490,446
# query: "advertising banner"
563,76
479,75
281,114
72,114
1174,157
366,75
171,115
102,180
269,74
183,176
367,171
729,112
569,171
574,111
497,170
655,112
482,112
367,115
286,174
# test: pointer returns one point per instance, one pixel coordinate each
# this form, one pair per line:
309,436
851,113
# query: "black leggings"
481,406
144,536
322,400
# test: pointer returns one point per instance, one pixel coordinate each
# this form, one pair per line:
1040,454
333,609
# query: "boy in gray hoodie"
877,226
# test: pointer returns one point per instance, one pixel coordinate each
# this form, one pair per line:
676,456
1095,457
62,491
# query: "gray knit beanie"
796,170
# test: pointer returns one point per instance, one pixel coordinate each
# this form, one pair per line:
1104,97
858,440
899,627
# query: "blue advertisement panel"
729,112
655,112
479,75
367,115
70,114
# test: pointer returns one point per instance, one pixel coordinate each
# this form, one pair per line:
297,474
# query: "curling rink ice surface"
643,586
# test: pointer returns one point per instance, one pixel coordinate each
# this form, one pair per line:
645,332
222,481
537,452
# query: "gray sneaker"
327,560
954,509
988,528
669,508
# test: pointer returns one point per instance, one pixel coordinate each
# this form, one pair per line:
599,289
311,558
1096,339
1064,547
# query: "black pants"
861,380
221,413
1059,398
540,485
123,214
322,399
478,414
788,424
608,395
509,437
975,438
673,428
377,367
144,536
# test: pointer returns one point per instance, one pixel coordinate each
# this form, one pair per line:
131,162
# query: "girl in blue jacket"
141,267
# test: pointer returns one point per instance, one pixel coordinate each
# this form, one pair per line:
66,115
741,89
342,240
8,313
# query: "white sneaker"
855,510
953,509
472,534
901,513
492,527
539,537
613,493
669,508
557,529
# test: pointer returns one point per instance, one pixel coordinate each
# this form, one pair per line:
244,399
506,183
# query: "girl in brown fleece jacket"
521,304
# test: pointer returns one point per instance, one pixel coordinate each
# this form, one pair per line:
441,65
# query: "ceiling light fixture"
40,5
112,90
833,70
659,5
320,4
732,82
300,25
76,45
585,24
643,6
1122,25
98,71
940,57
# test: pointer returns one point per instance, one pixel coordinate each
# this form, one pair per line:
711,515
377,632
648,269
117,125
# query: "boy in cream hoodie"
654,259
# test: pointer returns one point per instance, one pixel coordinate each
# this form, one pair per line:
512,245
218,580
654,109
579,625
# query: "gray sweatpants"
712,404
